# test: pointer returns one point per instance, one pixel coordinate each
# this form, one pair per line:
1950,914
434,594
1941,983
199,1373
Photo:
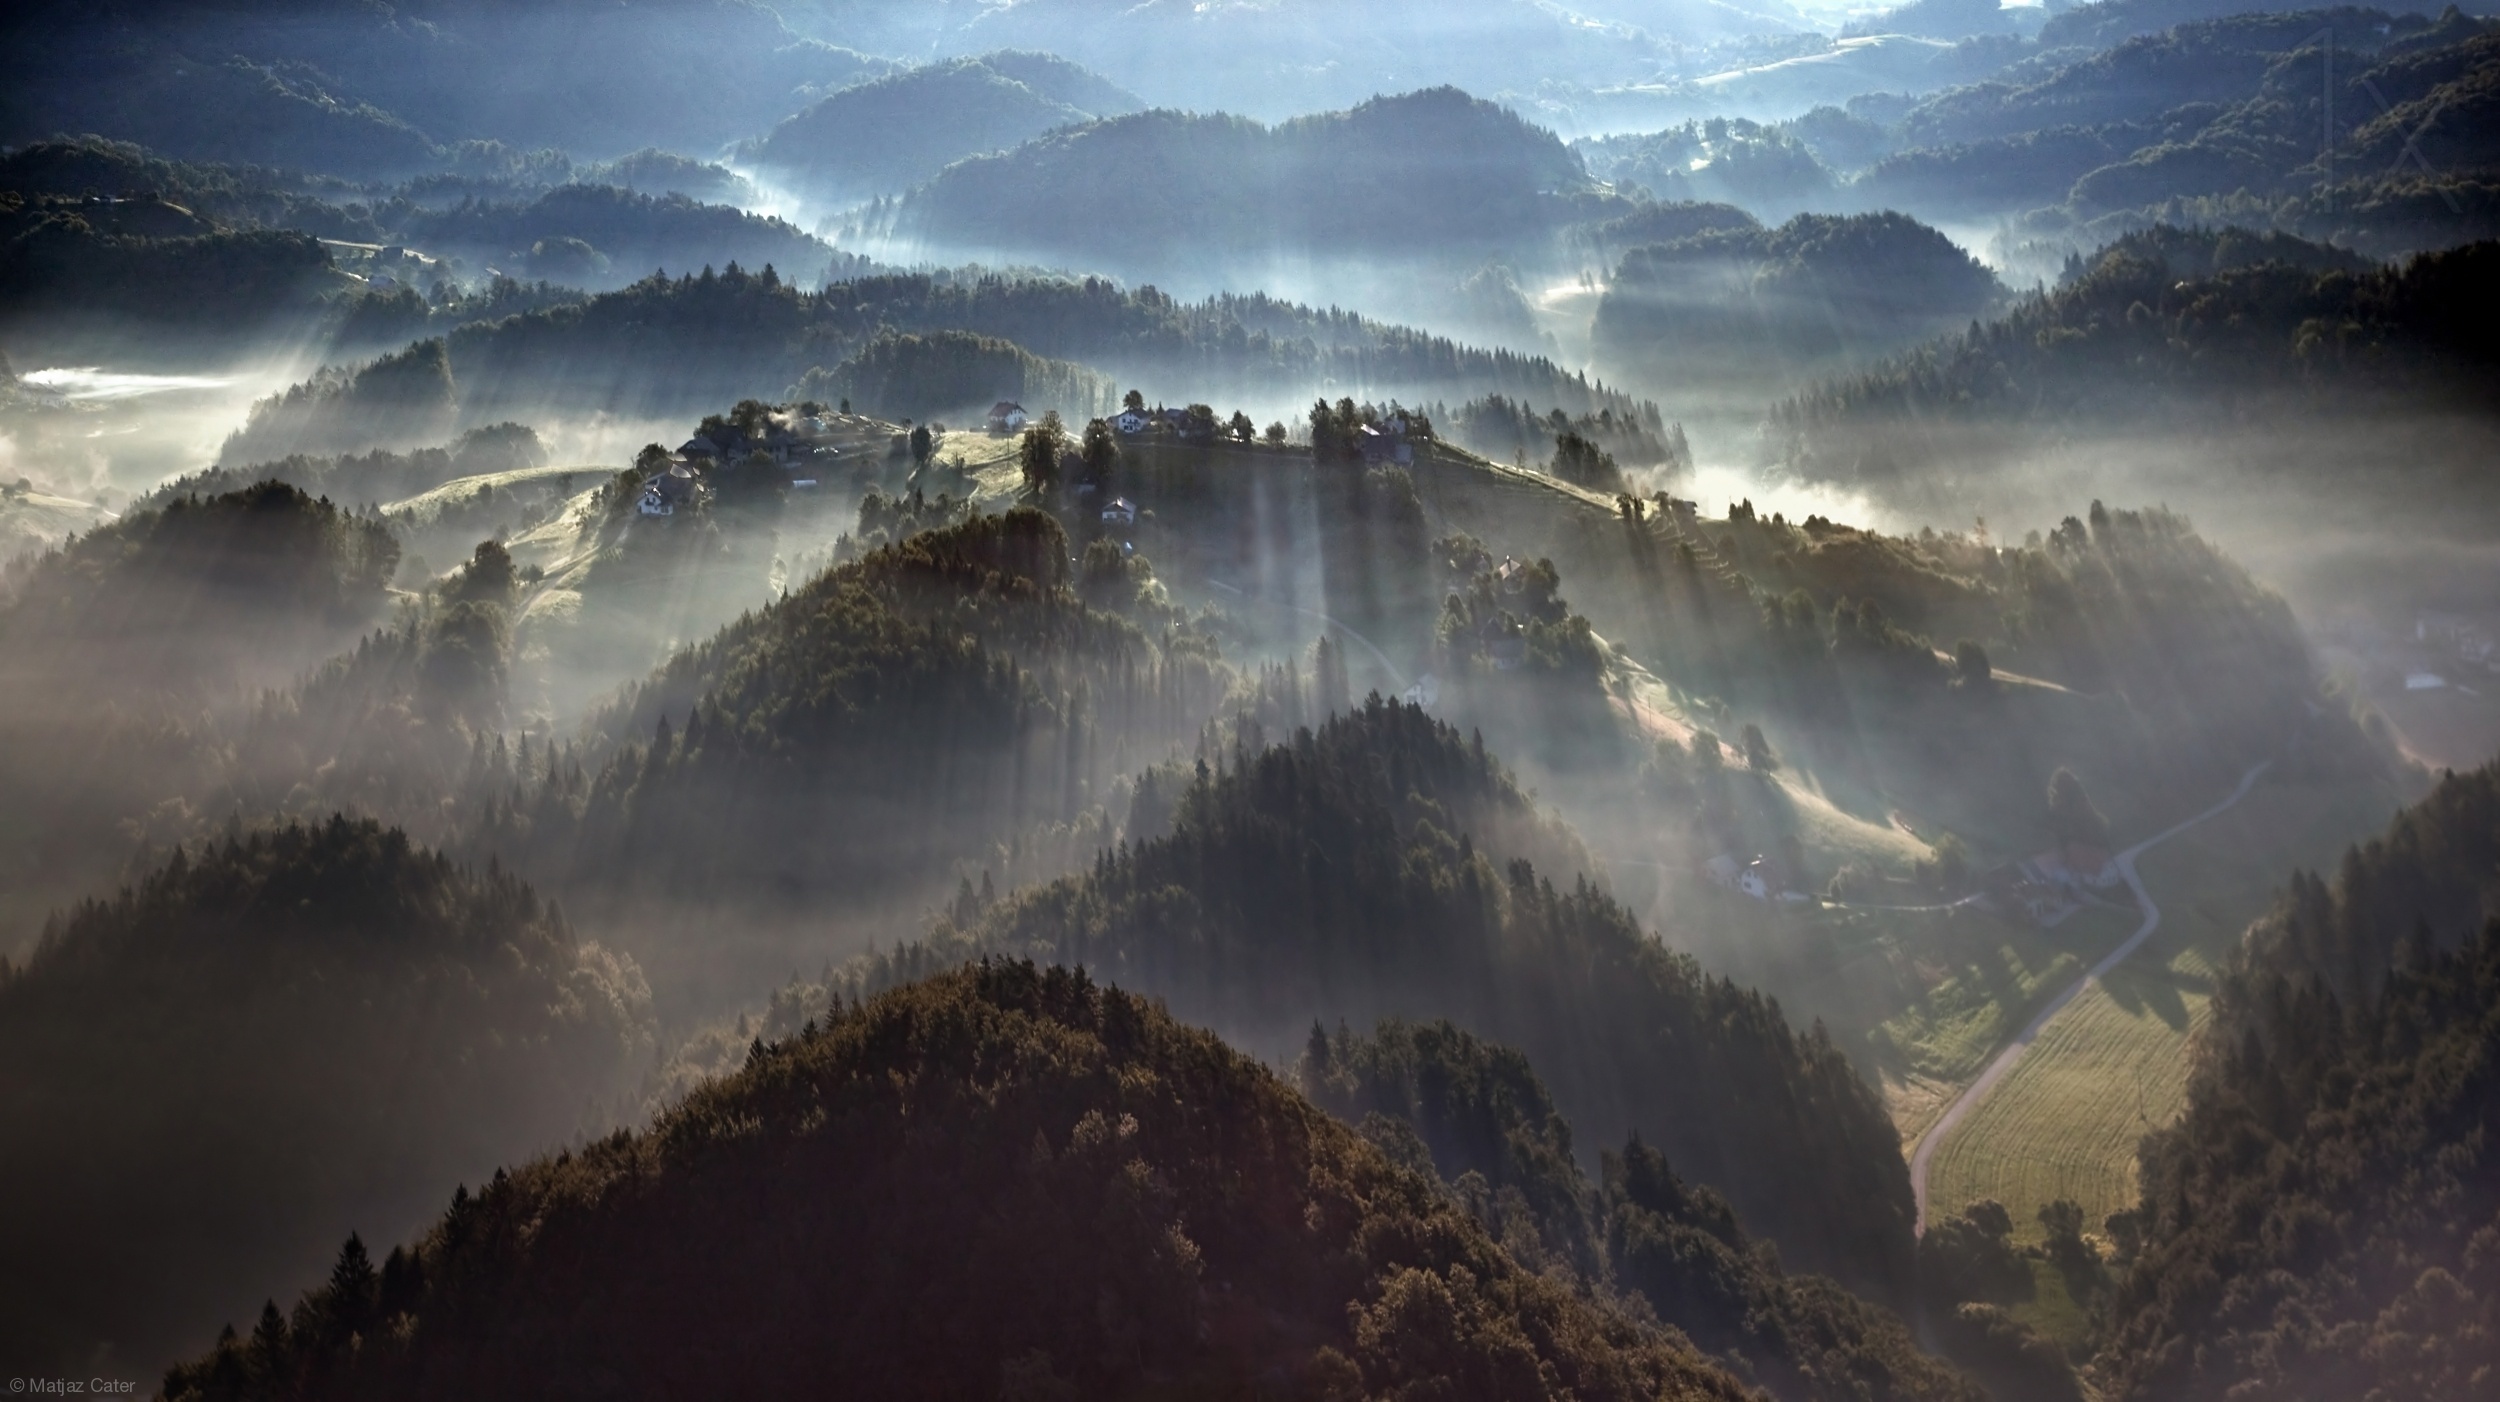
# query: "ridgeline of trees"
1882,664
684,345
263,1040
352,92
176,601
150,263
1469,173
118,649
1158,1215
621,234
2135,337
398,725
1739,304
2220,117
1381,864
402,398
1474,1115
860,734
2324,1218
371,478
930,117
1509,430
909,377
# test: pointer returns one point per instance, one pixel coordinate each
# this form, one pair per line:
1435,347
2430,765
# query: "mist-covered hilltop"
392,92
1748,307
848,745
681,346
262,1038
1379,864
1436,168
2219,119
1001,1179
891,134
2323,1220
2170,328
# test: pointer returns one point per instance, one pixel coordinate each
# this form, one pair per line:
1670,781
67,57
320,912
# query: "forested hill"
685,345
1383,864
2151,331
1001,1182
1733,306
861,735
2324,1219
189,599
1158,187
929,118
218,1069
1475,1115
116,262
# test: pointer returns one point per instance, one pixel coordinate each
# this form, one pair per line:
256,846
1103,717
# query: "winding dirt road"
2013,1051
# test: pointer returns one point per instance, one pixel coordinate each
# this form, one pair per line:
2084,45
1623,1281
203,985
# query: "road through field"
2004,1060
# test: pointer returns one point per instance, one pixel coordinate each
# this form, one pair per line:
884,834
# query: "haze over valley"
1691,699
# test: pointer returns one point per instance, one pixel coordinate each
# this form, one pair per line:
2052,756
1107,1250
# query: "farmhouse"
1379,448
1120,511
1007,416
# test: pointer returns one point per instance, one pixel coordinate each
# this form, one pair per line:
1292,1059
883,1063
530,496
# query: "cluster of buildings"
1764,878
797,447
2054,884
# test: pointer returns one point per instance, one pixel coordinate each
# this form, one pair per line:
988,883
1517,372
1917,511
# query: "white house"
1121,511
1130,422
1006,416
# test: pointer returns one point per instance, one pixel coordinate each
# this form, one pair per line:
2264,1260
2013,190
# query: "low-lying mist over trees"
1688,700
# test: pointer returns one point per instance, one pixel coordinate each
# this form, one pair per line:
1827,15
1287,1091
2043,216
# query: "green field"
2066,1121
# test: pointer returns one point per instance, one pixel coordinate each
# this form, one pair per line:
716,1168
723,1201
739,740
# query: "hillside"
266,1038
118,647
601,236
1474,1115
2208,119
1380,864
2168,330
343,89
73,264
670,347
886,136
394,401
1162,1217
1742,307
954,690
960,376
1469,173
2323,1220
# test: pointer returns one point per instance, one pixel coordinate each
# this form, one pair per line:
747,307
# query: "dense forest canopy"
1474,1115
2170,325
859,738
1381,864
255,1042
2324,1221
940,113
1157,1213
682,345
1751,302
1249,699
1468,171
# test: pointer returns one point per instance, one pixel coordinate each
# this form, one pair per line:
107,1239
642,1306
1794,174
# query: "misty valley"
1039,700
